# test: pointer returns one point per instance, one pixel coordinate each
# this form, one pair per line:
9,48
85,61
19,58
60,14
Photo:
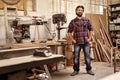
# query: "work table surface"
24,59
28,45
26,62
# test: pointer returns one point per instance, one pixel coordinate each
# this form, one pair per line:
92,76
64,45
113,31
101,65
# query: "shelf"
113,37
113,17
114,5
11,8
114,26
114,30
115,23
115,11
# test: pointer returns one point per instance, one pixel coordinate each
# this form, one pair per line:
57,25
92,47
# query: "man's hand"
71,37
89,40
74,41
90,36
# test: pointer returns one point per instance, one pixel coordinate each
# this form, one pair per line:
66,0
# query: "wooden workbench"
24,49
20,57
29,45
8,66
26,62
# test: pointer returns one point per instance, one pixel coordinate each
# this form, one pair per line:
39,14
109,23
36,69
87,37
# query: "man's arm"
70,30
90,30
71,37
90,35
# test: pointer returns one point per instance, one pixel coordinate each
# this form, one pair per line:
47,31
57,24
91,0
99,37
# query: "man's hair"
79,6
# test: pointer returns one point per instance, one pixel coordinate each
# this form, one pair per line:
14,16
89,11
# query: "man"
82,34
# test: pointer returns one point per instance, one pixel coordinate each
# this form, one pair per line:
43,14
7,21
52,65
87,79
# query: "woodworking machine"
21,27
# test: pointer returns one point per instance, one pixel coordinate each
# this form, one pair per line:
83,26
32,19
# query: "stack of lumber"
103,44
102,50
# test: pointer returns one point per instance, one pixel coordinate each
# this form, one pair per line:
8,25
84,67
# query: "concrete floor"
100,69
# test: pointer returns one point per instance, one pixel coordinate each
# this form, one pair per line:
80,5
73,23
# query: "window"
31,5
97,6
64,6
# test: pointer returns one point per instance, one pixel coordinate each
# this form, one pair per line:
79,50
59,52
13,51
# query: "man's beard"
79,14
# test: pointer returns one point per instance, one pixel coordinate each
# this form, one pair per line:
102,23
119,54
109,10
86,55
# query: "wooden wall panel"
104,18
1,4
20,5
94,18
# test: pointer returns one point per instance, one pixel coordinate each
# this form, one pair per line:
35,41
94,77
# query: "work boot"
74,73
90,72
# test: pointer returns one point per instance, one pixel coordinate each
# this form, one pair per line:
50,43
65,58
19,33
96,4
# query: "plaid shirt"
80,29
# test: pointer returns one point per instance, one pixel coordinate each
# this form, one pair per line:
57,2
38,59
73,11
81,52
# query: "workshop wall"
2,30
43,9
50,7
47,8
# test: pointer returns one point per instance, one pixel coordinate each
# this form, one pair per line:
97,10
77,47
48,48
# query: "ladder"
10,12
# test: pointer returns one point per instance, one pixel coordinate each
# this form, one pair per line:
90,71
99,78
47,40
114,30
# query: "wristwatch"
11,2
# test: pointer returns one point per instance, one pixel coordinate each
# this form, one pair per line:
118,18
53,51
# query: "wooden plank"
34,5
25,62
102,56
27,45
25,7
108,58
95,54
97,49
105,31
102,36
108,49
98,53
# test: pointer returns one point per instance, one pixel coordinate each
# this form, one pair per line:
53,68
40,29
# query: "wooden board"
101,36
24,46
26,62
94,18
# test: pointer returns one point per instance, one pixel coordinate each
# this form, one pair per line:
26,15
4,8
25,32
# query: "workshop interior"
35,43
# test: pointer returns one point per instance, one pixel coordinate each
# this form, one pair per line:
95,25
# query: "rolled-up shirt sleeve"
70,27
90,28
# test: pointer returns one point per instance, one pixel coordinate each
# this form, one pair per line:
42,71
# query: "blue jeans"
86,50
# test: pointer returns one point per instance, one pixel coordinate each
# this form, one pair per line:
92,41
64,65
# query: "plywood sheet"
94,18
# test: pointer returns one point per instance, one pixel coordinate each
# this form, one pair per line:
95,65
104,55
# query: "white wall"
2,30
85,3
45,8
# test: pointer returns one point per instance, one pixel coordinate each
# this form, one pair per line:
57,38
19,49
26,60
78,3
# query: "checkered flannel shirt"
80,29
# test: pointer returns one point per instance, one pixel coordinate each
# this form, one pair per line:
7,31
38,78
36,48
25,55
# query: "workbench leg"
114,62
56,51
47,71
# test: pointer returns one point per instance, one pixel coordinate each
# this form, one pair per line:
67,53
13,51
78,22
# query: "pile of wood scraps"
103,43
102,50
